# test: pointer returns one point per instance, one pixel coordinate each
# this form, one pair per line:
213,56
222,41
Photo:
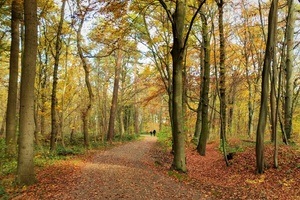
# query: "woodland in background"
209,70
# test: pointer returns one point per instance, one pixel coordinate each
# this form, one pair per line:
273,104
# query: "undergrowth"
165,138
44,157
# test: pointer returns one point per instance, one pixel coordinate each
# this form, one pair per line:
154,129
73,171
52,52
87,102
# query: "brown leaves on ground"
140,170
239,180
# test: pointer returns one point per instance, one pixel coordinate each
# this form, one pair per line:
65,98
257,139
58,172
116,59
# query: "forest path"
126,171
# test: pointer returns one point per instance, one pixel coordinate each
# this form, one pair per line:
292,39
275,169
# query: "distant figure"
151,133
154,132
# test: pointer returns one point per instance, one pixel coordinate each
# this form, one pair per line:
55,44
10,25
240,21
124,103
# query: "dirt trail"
123,172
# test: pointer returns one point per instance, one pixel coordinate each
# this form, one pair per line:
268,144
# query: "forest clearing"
141,170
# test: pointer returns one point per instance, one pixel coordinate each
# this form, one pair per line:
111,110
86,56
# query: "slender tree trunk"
231,102
25,171
11,113
54,121
136,107
222,84
288,114
2,128
104,111
204,100
199,109
62,117
222,72
87,109
273,100
250,97
270,48
113,109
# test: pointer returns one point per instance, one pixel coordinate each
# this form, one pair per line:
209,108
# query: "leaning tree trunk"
25,171
270,50
87,109
11,119
54,121
113,109
288,111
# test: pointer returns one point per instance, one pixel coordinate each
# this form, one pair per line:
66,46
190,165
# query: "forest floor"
140,170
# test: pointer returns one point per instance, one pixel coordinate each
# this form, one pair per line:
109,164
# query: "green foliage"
179,176
44,157
8,165
3,194
233,147
165,137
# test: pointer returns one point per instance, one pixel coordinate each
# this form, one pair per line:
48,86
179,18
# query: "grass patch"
179,176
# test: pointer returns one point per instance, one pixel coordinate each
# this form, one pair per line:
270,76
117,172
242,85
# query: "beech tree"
180,38
204,98
11,112
288,111
82,14
25,171
269,56
114,101
56,55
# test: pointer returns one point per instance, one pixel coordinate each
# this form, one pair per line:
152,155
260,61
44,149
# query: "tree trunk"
204,100
113,109
178,53
222,72
25,171
11,113
54,121
199,109
222,85
179,161
288,114
87,109
270,50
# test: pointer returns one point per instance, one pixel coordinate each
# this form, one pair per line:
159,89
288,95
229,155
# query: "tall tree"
82,14
25,172
180,39
222,71
269,55
204,98
54,120
114,101
288,111
11,120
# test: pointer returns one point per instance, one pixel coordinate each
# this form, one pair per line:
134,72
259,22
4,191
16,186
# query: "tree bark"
270,48
179,161
222,84
199,109
204,100
222,72
288,111
25,169
178,53
87,109
113,109
11,113
54,121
